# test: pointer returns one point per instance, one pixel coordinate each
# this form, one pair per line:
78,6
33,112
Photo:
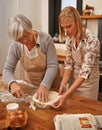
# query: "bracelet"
9,89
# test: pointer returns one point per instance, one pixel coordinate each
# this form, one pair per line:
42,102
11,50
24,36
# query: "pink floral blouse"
91,46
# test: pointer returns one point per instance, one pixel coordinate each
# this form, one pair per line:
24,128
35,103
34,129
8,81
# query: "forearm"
8,71
8,76
74,86
49,76
66,77
52,63
11,62
64,96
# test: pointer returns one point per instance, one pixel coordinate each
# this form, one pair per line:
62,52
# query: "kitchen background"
38,12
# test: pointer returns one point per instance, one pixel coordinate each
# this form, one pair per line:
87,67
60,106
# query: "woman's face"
69,27
27,39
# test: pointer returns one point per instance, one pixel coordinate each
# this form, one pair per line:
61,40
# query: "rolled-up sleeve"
91,57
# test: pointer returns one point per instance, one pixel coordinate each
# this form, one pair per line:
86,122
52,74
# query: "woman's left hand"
59,103
42,94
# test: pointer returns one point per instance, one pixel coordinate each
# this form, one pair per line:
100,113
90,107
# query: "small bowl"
12,107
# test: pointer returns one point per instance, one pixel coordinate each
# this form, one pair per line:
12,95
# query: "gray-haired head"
17,25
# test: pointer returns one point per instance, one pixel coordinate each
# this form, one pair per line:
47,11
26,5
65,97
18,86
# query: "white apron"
90,87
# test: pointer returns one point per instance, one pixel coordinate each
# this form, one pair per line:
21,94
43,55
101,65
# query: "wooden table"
43,119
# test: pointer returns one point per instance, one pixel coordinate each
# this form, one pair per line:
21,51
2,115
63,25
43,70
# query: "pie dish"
53,96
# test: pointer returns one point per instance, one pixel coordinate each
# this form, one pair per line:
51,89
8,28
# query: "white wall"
92,24
44,15
96,3
32,10
5,12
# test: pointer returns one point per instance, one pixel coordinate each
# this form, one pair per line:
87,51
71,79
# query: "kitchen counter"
43,119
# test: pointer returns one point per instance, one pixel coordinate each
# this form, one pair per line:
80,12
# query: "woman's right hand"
16,90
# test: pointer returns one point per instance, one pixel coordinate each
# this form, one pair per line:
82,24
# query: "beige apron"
35,69
90,87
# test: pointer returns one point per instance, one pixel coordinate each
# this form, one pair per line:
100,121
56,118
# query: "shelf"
91,16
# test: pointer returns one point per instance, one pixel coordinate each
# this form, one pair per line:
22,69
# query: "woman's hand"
42,94
16,90
59,103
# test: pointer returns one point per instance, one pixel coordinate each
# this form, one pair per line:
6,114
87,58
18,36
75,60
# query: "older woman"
37,54
82,58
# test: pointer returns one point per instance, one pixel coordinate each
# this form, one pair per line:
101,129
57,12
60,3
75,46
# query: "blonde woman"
37,54
82,58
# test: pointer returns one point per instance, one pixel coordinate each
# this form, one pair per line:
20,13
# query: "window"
65,3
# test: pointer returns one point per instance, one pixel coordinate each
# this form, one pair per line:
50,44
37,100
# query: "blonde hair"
17,25
72,13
